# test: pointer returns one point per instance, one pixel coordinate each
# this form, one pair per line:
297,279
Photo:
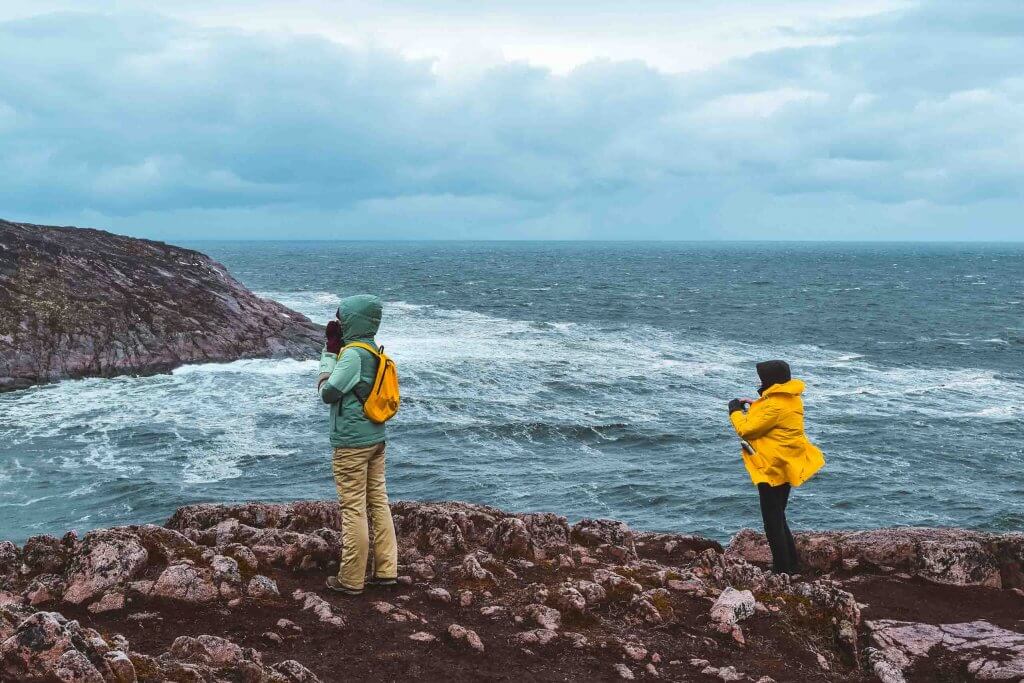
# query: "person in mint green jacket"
346,375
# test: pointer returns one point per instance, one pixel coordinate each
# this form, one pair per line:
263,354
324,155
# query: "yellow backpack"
380,402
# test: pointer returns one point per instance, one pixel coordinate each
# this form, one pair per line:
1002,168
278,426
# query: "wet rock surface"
87,303
236,593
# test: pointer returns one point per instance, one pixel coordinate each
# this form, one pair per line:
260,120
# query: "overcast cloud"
803,120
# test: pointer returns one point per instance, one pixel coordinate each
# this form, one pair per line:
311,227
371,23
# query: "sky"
653,119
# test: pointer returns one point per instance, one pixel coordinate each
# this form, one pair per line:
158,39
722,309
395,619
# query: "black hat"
772,372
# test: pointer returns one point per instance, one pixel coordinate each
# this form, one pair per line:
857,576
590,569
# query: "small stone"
289,624
726,673
462,634
144,616
261,588
546,617
634,651
822,662
439,595
273,637
108,603
466,598
731,607
623,672
652,670
423,637
539,636
700,663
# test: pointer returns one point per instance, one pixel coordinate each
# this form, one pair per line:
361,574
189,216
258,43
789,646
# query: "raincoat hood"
360,317
773,372
793,387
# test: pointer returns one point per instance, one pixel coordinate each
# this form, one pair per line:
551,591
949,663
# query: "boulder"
986,651
46,646
293,672
262,588
105,559
608,535
10,558
187,583
732,607
44,554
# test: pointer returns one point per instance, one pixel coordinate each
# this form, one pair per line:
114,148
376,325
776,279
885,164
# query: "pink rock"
75,667
439,595
545,617
540,636
569,600
43,554
110,602
105,559
616,585
187,583
988,652
206,649
262,588
121,668
613,536
423,637
294,672
33,651
511,538
462,634
732,607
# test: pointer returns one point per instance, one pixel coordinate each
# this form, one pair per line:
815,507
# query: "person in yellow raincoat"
782,457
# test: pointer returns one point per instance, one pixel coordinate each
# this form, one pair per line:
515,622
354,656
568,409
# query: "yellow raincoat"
774,426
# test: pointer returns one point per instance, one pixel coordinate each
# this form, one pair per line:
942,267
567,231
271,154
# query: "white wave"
277,366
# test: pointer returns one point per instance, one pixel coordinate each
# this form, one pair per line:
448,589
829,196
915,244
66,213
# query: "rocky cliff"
76,302
236,593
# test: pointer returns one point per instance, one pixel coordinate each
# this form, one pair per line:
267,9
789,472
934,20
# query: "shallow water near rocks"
585,379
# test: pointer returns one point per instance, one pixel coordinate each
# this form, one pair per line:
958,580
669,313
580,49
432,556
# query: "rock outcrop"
77,302
953,556
236,593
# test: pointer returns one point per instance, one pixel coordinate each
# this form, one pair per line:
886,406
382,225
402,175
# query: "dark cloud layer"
909,126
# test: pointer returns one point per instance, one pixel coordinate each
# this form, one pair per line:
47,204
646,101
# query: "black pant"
773,512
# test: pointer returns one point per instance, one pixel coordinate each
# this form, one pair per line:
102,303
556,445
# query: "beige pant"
359,478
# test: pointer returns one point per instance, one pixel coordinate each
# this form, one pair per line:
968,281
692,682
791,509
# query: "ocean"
588,379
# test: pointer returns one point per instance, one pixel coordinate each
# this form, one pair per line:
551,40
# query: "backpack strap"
359,345
362,389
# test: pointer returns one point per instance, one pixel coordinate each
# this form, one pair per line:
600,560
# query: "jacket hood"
794,387
773,372
360,317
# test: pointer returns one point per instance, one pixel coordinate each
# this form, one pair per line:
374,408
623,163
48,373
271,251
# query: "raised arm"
343,377
755,423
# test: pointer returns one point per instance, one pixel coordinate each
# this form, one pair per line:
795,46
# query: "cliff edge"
78,302
236,593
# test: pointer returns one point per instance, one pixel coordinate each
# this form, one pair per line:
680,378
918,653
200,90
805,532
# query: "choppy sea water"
587,379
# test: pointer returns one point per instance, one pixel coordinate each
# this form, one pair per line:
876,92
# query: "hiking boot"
377,581
338,587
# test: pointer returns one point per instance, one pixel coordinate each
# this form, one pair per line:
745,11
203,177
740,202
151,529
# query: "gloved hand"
735,405
333,336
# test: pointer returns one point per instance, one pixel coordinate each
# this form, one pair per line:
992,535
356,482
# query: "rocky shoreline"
77,302
235,593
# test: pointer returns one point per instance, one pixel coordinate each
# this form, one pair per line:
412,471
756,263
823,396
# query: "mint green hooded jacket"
350,428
